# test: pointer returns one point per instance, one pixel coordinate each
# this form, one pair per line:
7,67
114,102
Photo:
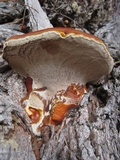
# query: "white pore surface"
55,62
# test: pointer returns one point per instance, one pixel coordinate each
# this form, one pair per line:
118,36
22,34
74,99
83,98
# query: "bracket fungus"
60,61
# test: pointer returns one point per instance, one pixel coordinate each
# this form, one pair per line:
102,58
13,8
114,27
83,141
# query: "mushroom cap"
57,57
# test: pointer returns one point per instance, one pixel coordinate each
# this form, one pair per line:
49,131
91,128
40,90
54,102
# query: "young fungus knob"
66,100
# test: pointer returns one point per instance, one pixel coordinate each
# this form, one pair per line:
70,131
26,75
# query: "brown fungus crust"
62,31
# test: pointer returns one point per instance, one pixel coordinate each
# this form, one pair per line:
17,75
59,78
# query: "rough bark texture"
90,132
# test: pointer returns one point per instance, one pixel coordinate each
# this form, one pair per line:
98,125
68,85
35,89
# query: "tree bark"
90,132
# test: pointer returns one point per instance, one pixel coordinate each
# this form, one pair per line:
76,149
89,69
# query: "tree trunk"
90,132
